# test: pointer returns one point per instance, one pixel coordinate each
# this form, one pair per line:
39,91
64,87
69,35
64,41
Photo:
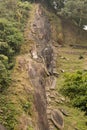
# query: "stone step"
52,90
48,116
48,92
49,107
47,95
52,127
52,102
52,96
50,122
58,101
55,54
47,89
48,100
54,93
48,111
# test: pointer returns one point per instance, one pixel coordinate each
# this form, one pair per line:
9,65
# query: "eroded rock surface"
37,76
41,67
40,64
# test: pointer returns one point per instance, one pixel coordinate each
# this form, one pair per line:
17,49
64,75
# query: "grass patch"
13,18
68,60
15,100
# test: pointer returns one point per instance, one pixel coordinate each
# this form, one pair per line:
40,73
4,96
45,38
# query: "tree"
58,4
76,10
75,87
4,79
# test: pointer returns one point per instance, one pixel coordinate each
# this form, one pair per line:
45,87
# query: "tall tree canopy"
75,10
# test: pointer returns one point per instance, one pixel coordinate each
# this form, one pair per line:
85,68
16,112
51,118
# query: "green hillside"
43,67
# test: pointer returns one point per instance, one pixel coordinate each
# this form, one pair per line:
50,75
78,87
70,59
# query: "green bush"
4,60
9,113
15,40
75,87
13,19
13,16
11,35
4,77
5,49
24,5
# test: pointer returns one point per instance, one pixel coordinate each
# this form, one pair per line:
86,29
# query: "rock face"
2,127
37,76
40,67
57,118
47,53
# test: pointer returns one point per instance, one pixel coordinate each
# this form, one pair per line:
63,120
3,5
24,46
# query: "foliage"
30,128
24,5
4,76
13,16
75,87
75,10
8,113
10,34
4,60
5,49
15,40
57,4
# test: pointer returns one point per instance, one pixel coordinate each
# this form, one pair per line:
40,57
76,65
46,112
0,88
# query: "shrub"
15,40
4,60
24,5
75,87
10,34
9,112
4,77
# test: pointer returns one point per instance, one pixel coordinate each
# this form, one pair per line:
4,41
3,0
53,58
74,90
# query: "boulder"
57,119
